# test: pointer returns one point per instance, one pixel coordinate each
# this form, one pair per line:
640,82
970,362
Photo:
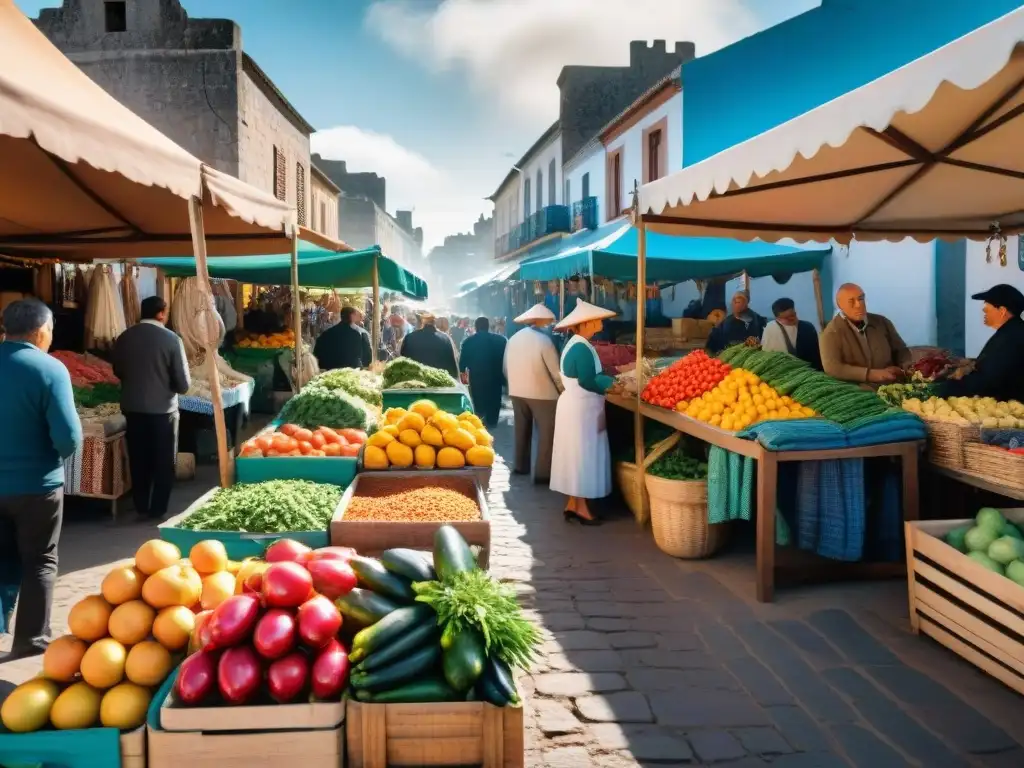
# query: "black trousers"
36,523
152,446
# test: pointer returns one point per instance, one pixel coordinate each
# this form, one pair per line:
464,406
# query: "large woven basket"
628,480
995,464
679,518
946,442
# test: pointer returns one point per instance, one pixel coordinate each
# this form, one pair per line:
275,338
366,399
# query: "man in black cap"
999,369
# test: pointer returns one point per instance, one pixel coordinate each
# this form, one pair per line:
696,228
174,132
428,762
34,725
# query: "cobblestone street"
652,661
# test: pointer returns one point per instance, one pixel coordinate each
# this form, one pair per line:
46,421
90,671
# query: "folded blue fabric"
881,433
831,508
796,435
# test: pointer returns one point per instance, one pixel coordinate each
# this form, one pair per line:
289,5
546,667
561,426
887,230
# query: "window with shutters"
585,185
655,154
300,193
115,16
552,185
613,184
540,189
280,185
323,221
526,199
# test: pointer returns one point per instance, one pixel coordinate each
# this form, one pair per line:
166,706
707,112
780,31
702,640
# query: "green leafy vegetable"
365,385
403,369
676,465
317,406
275,506
410,384
473,600
98,394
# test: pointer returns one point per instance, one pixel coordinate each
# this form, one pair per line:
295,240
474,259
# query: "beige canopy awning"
931,150
83,177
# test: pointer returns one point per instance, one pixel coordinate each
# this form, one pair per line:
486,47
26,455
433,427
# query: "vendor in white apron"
581,465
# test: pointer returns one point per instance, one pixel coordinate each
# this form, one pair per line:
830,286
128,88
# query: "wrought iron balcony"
584,214
547,221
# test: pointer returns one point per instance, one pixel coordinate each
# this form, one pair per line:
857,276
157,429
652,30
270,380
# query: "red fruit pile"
278,638
685,379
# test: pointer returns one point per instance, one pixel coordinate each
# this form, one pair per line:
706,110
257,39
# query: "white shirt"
774,337
531,366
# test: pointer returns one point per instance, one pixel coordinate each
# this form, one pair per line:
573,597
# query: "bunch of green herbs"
473,600
365,385
403,369
317,406
274,506
677,465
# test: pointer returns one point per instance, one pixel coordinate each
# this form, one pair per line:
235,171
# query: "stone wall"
364,184
592,96
262,127
178,74
324,208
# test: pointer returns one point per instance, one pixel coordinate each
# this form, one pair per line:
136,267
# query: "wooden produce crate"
463,733
133,748
371,537
239,544
454,400
242,737
976,613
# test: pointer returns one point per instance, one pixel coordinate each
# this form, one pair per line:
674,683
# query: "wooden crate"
243,737
463,733
976,613
371,537
133,748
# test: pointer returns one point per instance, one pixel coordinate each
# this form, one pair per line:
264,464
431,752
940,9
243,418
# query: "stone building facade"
323,209
191,80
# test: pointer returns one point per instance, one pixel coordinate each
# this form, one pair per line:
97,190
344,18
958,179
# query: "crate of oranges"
740,400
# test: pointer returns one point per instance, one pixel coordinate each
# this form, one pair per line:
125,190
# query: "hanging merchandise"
130,296
104,314
194,318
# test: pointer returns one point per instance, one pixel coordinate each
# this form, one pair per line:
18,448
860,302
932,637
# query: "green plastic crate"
239,544
452,399
333,470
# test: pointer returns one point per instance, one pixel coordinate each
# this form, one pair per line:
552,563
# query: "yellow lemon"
399,455
431,435
379,439
483,437
425,408
391,429
374,457
458,438
394,415
409,437
480,456
450,458
425,456
413,421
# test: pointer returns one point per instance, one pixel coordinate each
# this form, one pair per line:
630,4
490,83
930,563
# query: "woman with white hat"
581,467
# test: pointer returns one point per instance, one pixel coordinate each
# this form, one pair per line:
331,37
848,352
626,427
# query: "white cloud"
413,182
513,50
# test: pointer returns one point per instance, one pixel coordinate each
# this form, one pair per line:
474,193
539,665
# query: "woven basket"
633,491
679,518
946,442
995,464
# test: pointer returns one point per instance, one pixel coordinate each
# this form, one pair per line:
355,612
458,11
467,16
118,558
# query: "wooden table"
961,476
767,479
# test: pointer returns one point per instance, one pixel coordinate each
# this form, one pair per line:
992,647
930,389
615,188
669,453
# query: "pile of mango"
281,340
425,437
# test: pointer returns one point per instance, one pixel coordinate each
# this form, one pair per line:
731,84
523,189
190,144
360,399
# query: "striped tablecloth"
234,396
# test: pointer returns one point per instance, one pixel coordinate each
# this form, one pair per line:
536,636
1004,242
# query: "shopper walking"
345,345
41,429
534,383
482,358
150,362
428,347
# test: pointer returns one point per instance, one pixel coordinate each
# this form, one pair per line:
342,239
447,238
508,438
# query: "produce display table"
454,400
982,483
99,470
767,479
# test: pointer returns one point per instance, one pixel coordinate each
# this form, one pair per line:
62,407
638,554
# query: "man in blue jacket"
37,409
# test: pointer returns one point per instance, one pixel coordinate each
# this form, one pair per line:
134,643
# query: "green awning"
318,268
611,251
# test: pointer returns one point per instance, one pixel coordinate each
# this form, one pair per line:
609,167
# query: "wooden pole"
297,313
746,281
816,277
593,288
224,462
375,331
641,313
561,298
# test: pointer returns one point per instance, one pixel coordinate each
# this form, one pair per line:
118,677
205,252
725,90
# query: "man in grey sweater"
150,362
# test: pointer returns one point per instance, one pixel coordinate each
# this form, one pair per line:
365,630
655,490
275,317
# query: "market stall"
927,151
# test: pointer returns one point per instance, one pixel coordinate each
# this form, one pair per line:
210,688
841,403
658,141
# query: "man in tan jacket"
860,347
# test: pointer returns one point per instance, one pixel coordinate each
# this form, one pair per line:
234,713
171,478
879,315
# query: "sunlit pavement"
649,660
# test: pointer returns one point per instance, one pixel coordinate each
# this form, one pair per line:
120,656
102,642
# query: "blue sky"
441,96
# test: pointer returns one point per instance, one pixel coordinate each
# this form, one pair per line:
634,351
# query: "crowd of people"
558,395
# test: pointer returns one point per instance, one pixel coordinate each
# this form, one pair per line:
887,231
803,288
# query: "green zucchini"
487,691
499,675
372,575
364,607
400,672
415,692
393,629
464,660
409,563
451,553
412,641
